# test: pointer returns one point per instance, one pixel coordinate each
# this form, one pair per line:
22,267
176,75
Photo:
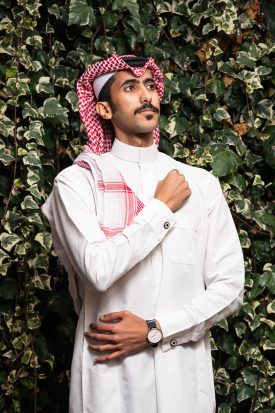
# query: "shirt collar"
134,153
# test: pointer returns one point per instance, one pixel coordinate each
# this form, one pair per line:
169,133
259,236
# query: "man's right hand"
173,190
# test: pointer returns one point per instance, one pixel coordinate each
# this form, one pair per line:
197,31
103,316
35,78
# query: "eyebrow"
134,80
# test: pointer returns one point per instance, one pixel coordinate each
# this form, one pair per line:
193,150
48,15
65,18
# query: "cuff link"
166,225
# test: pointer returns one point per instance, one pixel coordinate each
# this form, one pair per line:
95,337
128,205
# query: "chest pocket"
181,240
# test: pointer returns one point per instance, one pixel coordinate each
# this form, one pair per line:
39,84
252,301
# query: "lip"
147,110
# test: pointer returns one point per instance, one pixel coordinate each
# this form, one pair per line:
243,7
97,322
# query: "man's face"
135,103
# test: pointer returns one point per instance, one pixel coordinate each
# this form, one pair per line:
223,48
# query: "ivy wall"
217,113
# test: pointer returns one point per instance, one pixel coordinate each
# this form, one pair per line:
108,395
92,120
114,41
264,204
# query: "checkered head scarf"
100,132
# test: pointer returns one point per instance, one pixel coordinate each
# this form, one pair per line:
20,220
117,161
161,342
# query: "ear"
104,110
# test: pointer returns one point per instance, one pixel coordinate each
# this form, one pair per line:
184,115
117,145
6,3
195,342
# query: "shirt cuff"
160,218
170,325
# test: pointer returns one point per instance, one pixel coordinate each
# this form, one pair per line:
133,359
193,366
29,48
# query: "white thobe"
184,269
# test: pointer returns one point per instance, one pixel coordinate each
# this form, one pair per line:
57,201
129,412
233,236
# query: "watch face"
154,336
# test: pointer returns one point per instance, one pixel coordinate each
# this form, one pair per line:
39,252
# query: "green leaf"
256,289
250,307
43,281
271,307
166,146
223,324
44,239
176,125
32,159
250,376
246,60
5,157
8,241
262,70
40,261
257,180
264,219
29,203
81,14
224,408
3,256
33,176
23,248
6,127
110,19
264,109
33,322
262,250
131,5
53,110
29,111
269,345
34,218
244,239
269,146
267,279
228,345
216,85
226,68
25,359
240,328
233,362
244,392
225,162
207,28
221,114
180,151
34,190
44,85
72,99
250,351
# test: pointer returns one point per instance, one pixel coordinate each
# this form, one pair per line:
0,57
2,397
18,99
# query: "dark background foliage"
217,113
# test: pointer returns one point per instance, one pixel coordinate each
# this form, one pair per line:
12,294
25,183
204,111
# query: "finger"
173,172
108,328
101,337
117,315
104,347
109,357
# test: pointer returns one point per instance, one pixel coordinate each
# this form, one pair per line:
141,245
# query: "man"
151,250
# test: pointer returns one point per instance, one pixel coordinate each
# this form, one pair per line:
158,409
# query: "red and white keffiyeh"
100,132
117,204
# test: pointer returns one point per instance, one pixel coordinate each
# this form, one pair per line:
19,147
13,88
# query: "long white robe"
188,274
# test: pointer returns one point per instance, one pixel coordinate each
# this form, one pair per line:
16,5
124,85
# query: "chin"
147,128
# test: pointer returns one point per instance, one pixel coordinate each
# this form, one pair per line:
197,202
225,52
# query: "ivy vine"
217,113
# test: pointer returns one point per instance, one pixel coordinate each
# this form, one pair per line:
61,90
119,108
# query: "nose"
145,95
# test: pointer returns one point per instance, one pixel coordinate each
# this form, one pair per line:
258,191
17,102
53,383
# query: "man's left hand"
120,334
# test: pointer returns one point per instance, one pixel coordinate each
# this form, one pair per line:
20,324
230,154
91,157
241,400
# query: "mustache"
146,106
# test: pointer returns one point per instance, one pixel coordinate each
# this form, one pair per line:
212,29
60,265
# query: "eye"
151,86
129,88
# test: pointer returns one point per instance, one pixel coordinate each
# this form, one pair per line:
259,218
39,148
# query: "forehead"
123,75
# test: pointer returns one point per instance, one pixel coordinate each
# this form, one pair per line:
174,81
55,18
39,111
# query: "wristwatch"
154,335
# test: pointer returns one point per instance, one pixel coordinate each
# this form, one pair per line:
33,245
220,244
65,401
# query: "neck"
141,140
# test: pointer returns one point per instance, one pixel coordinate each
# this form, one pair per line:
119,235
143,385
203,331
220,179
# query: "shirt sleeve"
223,278
97,260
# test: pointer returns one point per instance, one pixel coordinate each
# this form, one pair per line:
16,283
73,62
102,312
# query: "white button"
166,225
173,342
